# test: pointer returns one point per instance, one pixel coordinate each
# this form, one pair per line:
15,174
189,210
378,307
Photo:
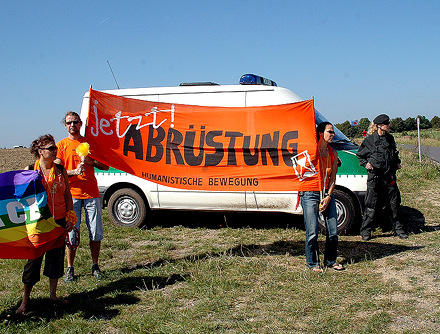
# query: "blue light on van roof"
252,79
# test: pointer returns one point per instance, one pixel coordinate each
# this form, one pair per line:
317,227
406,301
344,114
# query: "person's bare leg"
95,248
53,284
24,302
70,254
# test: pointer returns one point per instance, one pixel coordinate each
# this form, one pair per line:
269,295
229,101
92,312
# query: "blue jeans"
310,204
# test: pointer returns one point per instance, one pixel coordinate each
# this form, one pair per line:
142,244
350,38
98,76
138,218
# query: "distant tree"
364,123
345,128
410,124
435,122
397,125
424,122
355,131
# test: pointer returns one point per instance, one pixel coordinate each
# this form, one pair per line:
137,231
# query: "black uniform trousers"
382,191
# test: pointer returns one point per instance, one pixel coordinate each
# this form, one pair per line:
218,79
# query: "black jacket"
380,152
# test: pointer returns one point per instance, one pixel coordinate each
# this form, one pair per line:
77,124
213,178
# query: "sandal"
317,269
337,267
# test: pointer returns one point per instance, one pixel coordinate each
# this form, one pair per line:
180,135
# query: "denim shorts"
93,214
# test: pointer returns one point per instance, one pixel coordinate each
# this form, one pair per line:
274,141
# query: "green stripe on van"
350,164
110,170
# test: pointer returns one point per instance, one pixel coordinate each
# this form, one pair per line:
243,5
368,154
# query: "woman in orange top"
59,200
314,202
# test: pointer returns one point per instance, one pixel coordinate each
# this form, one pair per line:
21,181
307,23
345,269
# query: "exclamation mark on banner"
172,116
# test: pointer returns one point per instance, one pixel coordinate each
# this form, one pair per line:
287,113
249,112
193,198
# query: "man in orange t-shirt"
84,190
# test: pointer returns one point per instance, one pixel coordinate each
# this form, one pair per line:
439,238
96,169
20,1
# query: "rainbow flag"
27,228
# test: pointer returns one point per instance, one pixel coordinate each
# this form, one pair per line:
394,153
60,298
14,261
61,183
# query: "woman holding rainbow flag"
55,181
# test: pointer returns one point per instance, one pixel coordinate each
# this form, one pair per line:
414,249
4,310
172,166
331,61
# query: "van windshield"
340,141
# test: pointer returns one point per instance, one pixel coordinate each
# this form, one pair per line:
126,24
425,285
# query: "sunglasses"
50,148
72,122
331,132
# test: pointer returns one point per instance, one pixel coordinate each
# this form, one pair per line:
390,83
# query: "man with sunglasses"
379,155
84,189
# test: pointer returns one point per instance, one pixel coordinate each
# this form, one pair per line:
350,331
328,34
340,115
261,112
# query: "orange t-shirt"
82,186
55,194
327,167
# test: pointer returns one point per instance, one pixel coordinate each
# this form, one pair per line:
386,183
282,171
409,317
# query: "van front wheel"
127,208
346,213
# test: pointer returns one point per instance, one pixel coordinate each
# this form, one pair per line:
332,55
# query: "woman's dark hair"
321,128
40,141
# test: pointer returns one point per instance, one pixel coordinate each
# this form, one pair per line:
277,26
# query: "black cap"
382,119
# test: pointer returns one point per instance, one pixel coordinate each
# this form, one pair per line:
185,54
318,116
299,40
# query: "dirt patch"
15,159
406,274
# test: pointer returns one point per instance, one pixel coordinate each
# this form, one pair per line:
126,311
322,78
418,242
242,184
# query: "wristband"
71,217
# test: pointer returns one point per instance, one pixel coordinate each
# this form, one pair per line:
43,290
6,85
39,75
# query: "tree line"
396,125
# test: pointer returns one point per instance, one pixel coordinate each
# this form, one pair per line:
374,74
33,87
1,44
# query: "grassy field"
429,137
246,273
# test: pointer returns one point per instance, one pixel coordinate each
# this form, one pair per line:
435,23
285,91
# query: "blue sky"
357,58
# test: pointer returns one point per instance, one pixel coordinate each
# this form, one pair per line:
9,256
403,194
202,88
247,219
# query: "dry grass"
429,137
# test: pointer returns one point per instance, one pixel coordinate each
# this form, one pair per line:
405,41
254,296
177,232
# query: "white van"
129,198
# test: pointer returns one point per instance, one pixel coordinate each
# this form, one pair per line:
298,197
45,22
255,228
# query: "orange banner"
270,148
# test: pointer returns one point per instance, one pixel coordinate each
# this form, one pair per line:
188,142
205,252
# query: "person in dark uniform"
379,155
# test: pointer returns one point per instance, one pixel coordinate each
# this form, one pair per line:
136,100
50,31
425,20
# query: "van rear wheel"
346,213
127,208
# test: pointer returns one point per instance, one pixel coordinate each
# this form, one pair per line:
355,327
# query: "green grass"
196,273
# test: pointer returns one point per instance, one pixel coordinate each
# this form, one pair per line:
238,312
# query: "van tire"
127,208
346,213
